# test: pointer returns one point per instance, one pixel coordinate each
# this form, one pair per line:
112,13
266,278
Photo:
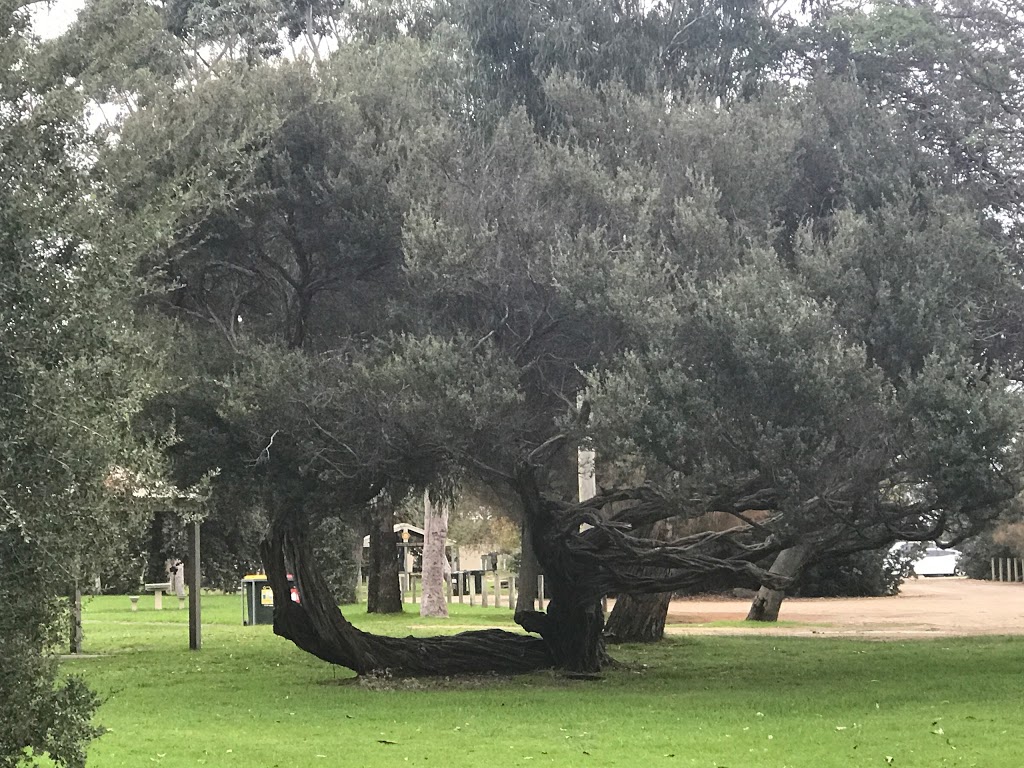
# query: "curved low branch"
317,626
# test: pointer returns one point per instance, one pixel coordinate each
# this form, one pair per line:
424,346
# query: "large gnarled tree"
422,250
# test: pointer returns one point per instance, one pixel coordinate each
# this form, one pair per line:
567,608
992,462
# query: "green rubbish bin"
258,599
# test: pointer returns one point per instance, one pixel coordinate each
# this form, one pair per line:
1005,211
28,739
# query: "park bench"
158,589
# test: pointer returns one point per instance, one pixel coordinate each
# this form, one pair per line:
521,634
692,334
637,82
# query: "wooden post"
483,589
75,635
1001,563
512,592
412,586
195,636
992,562
540,592
1016,569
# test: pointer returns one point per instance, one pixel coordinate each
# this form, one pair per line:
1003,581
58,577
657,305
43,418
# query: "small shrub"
872,573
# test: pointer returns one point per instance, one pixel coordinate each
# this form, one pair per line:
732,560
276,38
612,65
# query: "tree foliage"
764,267
71,378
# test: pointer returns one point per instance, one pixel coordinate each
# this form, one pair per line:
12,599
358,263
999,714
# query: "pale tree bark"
767,602
586,461
435,528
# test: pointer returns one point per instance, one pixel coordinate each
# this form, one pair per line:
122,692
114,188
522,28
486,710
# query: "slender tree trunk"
435,527
767,602
383,592
357,560
529,570
75,618
156,560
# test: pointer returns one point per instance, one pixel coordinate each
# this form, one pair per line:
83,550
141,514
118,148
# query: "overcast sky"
51,21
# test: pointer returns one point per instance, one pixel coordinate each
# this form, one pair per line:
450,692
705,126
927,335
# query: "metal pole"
195,637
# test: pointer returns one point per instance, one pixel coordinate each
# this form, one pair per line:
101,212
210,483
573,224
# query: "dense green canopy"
71,373
765,265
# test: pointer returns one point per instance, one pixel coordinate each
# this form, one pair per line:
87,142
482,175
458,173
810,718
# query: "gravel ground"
925,607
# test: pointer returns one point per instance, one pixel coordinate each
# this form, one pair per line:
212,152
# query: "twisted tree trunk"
584,555
573,624
317,626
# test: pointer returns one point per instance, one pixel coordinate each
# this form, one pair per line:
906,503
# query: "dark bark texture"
384,595
586,551
529,570
317,626
156,559
638,618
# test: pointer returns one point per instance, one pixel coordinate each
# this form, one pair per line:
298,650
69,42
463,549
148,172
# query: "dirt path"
925,607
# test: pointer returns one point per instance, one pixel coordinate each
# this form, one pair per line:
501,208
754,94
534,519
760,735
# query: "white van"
937,562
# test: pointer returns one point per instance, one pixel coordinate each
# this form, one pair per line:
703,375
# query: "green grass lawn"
251,699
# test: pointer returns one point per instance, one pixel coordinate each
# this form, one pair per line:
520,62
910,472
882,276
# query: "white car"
937,562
